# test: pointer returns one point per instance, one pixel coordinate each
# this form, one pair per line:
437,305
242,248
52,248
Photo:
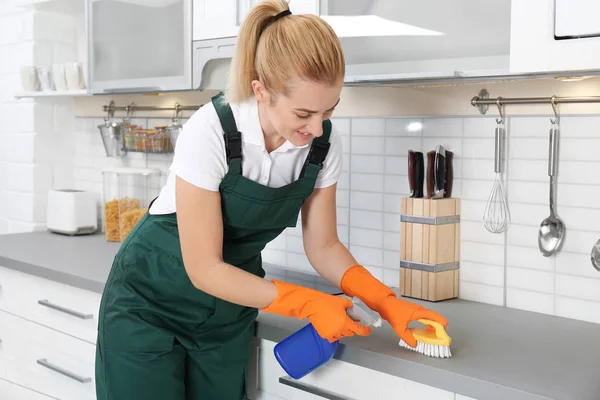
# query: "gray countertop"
498,353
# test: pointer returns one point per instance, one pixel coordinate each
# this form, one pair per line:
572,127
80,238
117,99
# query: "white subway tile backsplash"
367,182
399,146
578,309
528,257
479,148
391,203
368,164
485,274
367,145
397,165
391,277
25,207
583,219
578,287
528,214
523,235
23,227
528,170
346,144
346,162
367,255
578,149
391,260
403,127
530,301
529,279
577,264
391,241
344,182
474,231
366,201
584,196
481,127
391,222
343,216
342,198
481,293
443,127
529,126
531,192
579,172
579,241
366,237
491,254
528,148
277,257
477,190
4,226
396,184
22,177
341,125
579,126
366,219
368,127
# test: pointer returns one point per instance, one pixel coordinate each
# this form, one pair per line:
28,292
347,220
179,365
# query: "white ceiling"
471,28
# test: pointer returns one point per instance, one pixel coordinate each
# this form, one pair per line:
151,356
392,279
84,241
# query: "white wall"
36,147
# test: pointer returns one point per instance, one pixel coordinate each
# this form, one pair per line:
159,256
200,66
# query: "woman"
178,311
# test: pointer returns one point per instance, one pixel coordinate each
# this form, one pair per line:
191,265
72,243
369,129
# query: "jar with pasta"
127,195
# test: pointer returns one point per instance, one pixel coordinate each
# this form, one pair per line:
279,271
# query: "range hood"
396,41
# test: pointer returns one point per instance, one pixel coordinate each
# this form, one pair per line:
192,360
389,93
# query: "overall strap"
233,138
317,154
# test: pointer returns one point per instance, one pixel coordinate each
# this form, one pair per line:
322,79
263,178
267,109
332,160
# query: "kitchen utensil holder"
429,248
152,141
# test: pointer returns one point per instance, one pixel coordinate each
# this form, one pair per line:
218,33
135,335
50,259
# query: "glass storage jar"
127,195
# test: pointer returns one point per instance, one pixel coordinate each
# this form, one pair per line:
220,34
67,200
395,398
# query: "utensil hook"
177,110
110,111
553,103
500,110
128,112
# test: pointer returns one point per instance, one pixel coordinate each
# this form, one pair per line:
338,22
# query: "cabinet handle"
133,89
286,380
44,363
77,314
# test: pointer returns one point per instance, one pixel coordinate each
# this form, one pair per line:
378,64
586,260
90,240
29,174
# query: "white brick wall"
36,135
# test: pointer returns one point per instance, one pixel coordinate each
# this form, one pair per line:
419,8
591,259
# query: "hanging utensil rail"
483,100
111,108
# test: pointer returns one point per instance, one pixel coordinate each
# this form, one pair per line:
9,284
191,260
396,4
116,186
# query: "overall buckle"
318,152
233,145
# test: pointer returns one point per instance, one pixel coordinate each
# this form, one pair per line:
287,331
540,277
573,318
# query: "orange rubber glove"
358,282
326,312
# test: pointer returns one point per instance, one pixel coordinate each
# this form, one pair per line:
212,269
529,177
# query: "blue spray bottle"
304,351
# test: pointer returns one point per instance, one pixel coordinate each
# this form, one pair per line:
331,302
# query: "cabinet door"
217,19
140,46
547,36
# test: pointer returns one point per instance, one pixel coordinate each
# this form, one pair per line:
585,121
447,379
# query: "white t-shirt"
200,155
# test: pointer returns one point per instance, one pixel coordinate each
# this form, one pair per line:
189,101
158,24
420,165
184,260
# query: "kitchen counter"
498,353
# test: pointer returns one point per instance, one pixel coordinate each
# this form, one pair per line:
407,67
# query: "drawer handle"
286,380
44,363
77,314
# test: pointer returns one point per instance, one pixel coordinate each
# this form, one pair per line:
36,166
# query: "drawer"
45,360
62,307
10,391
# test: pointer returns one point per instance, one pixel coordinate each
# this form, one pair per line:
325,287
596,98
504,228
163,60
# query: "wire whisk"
496,218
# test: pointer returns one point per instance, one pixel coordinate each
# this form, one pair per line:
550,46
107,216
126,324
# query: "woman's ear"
262,95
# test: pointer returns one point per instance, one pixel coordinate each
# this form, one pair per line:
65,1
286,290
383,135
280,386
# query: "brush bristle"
431,350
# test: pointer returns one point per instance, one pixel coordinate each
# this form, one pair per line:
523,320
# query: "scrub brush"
433,341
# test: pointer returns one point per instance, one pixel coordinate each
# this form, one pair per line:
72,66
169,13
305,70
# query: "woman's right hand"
326,312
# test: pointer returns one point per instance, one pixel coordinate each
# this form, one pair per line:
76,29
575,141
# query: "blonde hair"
276,51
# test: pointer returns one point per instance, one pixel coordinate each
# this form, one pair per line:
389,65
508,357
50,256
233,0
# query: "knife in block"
419,174
429,174
411,173
449,174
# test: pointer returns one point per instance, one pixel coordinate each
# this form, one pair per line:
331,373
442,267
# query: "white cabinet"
341,379
216,19
555,35
139,46
47,338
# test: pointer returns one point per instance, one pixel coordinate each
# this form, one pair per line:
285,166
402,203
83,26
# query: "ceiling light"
414,127
372,25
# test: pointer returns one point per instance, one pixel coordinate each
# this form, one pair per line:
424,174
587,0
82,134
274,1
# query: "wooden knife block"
429,248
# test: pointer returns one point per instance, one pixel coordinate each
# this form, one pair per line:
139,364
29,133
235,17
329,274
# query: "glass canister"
127,195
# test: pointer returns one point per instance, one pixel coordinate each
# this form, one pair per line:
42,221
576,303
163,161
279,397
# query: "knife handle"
429,176
411,173
439,173
419,174
449,174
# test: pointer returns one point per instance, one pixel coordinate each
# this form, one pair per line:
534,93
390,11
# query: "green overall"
160,338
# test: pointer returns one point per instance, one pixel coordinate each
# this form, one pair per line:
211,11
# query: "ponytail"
275,50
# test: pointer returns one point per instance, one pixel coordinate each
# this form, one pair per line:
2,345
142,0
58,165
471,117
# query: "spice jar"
127,195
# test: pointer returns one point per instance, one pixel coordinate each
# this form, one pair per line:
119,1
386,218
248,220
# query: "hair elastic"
281,15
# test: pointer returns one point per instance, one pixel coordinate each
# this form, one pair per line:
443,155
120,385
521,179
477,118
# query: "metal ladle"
552,229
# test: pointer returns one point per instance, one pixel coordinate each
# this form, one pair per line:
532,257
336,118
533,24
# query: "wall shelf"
54,93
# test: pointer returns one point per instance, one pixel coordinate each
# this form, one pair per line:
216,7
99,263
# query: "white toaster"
72,212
